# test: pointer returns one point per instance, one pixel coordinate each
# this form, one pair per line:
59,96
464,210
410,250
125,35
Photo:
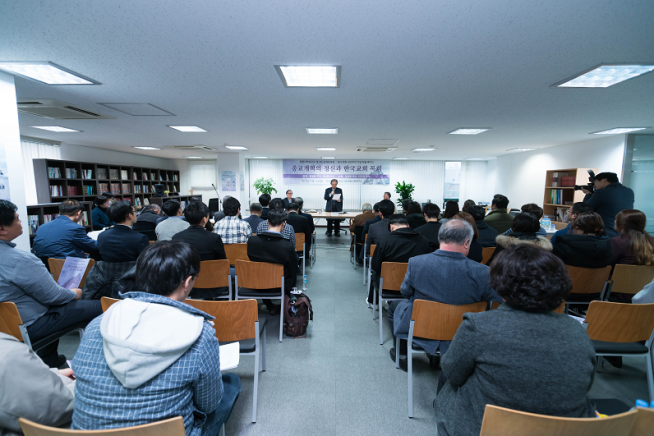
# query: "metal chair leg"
263,349
409,358
397,353
222,430
650,375
381,329
256,374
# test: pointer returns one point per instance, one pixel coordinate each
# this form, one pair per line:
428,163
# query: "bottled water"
304,284
547,223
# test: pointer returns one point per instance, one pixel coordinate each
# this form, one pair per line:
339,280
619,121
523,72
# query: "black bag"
298,313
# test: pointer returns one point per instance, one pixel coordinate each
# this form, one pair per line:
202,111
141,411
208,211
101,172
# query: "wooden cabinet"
39,214
560,193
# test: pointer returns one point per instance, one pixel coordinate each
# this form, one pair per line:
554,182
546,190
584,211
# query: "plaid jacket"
233,230
192,387
288,232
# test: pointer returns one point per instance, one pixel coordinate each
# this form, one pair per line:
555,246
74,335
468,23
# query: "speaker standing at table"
334,197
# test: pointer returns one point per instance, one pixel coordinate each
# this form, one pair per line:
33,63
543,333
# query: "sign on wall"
366,172
4,176
228,179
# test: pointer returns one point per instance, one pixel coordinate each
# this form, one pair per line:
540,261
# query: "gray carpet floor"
339,380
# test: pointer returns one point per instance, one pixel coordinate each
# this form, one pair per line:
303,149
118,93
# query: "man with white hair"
446,276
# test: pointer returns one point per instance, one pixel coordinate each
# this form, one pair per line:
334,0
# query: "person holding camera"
608,198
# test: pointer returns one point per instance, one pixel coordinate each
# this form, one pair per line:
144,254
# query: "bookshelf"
560,193
40,214
183,199
58,180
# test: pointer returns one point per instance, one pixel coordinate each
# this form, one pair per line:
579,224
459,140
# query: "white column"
230,162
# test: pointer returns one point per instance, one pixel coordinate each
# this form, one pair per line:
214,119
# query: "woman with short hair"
587,246
524,230
100,213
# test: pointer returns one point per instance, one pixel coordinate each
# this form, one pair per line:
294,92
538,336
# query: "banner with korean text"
365,172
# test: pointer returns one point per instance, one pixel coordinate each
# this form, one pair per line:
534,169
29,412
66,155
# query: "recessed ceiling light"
259,157
424,149
236,147
400,158
46,72
478,158
56,129
193,157
469,131
604,76
148,148
322,131
310,76
619,130
326,148
521,149
327,158
188,129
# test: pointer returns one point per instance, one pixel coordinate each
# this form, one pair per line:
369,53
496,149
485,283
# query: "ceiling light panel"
236,147
326,148
327,158
468,131
57,129
260,157
605,76
423,149
400,158
521,149
193,157
619,130
148,148
322,131
316,76
46,72
188,129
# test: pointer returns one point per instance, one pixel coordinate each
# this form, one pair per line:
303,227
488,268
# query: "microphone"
219,199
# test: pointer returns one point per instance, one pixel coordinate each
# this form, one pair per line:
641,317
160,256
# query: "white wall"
224,162
82,153
521,176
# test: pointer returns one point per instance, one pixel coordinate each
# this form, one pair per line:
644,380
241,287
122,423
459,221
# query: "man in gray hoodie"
151,357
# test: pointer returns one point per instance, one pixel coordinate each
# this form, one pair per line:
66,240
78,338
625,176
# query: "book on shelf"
103,187
167,178
137,202
88,189
56,191
127,199
85,219
87,174
135,176
50,217
32,223
72,190
152,177
556,196
146,202
124,175
102,173
113,174
127,188
115,188
152,190
71,173
54,173
145,176
175,178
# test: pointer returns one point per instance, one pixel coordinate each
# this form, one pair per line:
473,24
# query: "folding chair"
486,254
213,279
356,241
300,245
169,427
372,251
587,281
12,324
390,281
238,321
107,302
56,265
313,249
365,258
436,321
630,279
260,280
236,252
618,329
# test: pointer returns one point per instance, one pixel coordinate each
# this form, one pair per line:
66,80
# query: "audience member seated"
255,216
487,234
430,230
546,369
524,226
400,245
264,199
373,220
476,249
218,216
415,216
208,245
575,210
498,218
299,223
446,276
168,228
300,204
535,210
31,390
151,357
64,237
587,246
120,243
405,206
147,221
633,246
232,229
451,209
99,214
44,306
365,215
468,204
272,247
381,229
288,232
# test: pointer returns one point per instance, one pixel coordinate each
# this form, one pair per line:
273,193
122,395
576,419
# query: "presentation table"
333,216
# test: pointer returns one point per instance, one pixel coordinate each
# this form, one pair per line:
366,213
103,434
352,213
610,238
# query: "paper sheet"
72,272
229,355
336,196
577,318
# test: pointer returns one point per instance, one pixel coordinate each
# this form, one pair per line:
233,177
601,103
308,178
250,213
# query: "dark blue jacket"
62,238
332,205
100,219
370,222
561,232
607,202
121,244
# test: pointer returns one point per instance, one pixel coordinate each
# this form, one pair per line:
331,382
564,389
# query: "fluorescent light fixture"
469,131
260,157
46,72
236,147
604,76
619,130
148,148
322,131
325,76
327,158
424,149
193,157
521,149
188,129
400,158
478,158
326,148
57,129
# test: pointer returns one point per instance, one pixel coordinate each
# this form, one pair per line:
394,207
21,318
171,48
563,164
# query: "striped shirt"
233,230
288,232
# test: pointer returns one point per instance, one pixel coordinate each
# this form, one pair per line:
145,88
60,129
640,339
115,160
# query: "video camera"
590,186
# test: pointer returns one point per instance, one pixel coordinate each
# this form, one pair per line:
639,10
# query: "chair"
12,324
499,421
372,251
168,427
587,281
261,280
313,249
630,279
214,274
236,252
107,302
356,242
486,254
238,321
56,265
390,281
365,258
300,245
618,329
436,321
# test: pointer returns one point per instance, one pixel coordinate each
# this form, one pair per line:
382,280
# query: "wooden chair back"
439,321
168,427
299,241
644,422
620,322
486,254
372,250
236,252
234,319
152,242
259,275
365,239
393,274
10,320
213,274
499,421
631,279
106,302
56,265
588,280
560,309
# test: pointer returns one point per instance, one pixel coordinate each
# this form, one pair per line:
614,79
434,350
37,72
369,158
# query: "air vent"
387,142
376,149
58,110
193,147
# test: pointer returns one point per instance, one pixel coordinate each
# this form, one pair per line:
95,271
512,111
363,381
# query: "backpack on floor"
298,313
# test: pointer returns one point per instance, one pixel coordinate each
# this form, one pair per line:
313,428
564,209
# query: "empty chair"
214,281
390,281
56,265
168,427
587,283
630,279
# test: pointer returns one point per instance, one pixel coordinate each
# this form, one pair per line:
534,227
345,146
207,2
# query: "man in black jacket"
430,229
147,221
300,204
299,223
334,198
381,229
264,199
399,246
487,234
208,244
120,243
609,198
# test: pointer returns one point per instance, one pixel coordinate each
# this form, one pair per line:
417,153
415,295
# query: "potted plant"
264,186
404,190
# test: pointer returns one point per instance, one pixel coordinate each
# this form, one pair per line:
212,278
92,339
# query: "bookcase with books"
560,193
183,199
39,214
